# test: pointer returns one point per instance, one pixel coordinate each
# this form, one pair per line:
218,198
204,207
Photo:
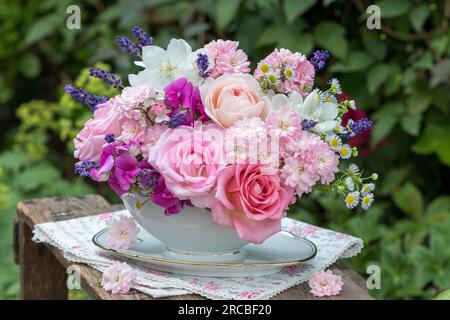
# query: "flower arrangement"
198,128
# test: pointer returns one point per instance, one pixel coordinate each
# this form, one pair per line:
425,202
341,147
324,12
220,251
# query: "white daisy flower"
367,188
335,142
345,151
289,72
353,169
264,67
335,86
367,201
352,199
349,183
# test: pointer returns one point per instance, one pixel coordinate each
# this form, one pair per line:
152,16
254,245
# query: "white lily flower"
164,66
324,113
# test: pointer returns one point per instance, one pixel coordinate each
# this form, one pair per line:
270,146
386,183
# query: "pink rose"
232,97
189,159
90,140
252,200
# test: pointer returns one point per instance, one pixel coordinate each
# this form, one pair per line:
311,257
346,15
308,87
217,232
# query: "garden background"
399,75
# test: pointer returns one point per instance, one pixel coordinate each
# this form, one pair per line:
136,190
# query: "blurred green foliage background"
399,75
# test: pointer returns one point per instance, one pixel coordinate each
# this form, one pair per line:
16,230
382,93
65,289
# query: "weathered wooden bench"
43,267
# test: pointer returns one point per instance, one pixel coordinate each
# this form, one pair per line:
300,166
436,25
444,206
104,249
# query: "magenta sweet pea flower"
184,99
164,198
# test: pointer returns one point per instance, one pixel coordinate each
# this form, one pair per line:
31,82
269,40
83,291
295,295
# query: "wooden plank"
37,211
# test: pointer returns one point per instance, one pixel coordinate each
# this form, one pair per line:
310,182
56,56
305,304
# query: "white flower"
349,183
324,113
367,201
353,169
345,152
367,188
352,199
280,100
335,142
122,232
164,66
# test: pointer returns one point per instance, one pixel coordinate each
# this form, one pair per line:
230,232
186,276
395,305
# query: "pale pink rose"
189,159
252,200
89,142
136,97
118,278
122,232
132,130
232,97
151,135
325,284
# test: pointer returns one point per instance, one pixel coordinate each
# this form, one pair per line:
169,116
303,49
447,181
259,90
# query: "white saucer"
281,250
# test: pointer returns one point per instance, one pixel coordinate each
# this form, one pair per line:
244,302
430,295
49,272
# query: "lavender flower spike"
142,37
128,46
202,64
108,77
319,59
83,168
84,97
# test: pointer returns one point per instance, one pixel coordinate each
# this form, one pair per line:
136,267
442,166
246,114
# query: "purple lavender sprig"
108,77
202,64
143,38
176,120
127,45
84,97
83,168
110,138
308,124
319,59
357,127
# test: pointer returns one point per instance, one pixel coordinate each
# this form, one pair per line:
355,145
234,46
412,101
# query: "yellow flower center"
264,68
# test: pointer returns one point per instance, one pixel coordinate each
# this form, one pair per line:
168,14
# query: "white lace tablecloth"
74,238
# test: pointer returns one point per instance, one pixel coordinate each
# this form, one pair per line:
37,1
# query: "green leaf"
393,179
409,200
331,36
36,176
382,128
374,46
418,102
444,295
391,9
435,139
377,76
356,61
302,42
439,206
42,28
440,73
424,62
225,12
411,124
418,16
30,65
294,8
13,160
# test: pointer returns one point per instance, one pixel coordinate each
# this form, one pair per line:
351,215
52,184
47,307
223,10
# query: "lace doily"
73,237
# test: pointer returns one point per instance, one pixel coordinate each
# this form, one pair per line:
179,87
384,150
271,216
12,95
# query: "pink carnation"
284,123
122,232
226,58
293,70
150,137
134,99
325,284
309,160
118,278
